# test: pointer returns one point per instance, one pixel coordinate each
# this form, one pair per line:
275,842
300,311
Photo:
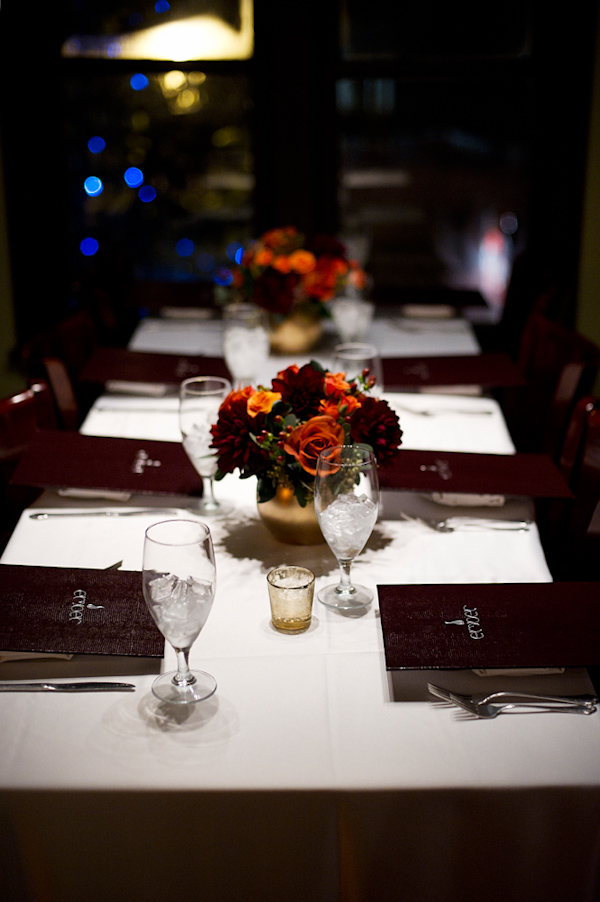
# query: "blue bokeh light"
223,276
234,251
139,81
147,194
89,247
134,177
162,6
185,247
96,144
93,186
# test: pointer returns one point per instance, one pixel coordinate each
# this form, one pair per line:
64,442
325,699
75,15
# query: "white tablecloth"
312,774
393,336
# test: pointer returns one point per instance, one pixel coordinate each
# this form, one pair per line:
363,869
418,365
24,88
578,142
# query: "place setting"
490,649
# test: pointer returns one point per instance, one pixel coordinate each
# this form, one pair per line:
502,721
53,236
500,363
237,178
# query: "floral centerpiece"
283,270
277,433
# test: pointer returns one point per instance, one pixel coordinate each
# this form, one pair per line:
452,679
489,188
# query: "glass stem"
211,502
345,585
184,676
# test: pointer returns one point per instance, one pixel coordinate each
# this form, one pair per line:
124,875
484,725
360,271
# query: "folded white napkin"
104,494
428,311
123,387
186,312
457,499
470,390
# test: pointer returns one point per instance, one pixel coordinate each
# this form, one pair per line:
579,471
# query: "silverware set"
443,411
78,686
452,524
507,701
446,326
45,515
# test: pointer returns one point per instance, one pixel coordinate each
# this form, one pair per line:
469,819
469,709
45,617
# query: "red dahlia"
375,424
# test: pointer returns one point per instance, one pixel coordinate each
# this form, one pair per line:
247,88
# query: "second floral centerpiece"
277,434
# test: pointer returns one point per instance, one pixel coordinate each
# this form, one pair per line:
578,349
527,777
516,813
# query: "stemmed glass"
245,342
354,357
178,580
347,504
199,400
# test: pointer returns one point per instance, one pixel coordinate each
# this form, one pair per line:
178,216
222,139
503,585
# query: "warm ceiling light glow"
202,37
173,80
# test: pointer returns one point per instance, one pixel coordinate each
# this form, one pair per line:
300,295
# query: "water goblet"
352,318
199,400
245,342
178,581
353,358
347,504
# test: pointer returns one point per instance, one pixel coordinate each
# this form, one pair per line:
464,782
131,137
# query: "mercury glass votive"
291,591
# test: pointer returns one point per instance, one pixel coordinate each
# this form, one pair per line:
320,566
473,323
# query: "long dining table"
314,773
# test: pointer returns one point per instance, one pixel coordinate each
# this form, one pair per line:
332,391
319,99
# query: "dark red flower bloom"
275,291
303,389
232,436
377,425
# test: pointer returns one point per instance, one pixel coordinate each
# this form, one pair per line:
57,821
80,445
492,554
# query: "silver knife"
14,686
110,513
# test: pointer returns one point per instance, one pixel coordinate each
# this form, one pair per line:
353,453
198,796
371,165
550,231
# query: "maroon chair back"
21,416
560,367
571,530
57,356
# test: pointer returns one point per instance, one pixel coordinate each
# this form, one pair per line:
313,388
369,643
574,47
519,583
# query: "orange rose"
263,257
306,442
235,395
335,384
340,407
302,261
262,402
281,239
349,404
282,264
329,409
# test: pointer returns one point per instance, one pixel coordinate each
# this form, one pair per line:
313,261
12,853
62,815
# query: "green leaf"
301,494
266,489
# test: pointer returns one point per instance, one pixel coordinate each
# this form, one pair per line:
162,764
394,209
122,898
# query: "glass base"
208,508
166,690
356,600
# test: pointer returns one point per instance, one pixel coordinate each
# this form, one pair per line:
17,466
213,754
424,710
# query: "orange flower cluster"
281,269
277,433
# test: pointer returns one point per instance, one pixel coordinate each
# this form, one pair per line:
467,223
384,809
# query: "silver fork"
452,524
484,706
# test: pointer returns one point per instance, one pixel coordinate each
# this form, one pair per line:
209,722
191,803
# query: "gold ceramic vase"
298,333
288,522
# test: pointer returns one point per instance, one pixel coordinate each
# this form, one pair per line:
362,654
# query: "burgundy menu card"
62,459
71,611
532,475
491,625
489,370
121,364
